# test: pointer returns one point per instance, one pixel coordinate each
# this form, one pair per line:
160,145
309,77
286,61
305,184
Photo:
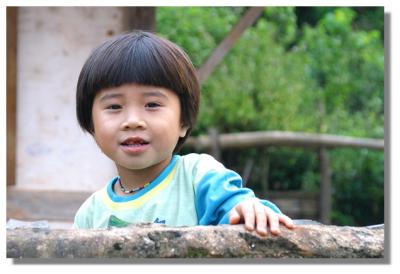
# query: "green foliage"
284,19
194,28
358,188
296,69
254,91
348,67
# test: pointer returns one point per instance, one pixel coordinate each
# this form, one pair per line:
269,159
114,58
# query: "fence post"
326,186
265,171
215,146
247,170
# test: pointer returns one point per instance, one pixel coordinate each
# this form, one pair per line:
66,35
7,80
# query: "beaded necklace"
131,190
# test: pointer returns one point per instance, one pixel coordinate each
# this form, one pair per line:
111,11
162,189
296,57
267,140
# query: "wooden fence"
214,143
59,207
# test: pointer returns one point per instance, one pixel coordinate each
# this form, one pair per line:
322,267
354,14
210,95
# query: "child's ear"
183,131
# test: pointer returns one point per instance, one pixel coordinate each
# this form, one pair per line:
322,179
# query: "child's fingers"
261,219
248,215
273,221
234,217
246,211
286,221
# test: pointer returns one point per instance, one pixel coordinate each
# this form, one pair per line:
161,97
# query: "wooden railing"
214,143
280,138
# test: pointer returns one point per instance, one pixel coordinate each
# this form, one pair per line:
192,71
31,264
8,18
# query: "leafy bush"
287,74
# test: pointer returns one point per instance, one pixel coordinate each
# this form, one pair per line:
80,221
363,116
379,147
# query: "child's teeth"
136,144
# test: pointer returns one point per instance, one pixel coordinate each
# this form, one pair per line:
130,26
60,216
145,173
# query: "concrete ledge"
158,241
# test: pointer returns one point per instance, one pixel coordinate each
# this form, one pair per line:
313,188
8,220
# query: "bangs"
120,62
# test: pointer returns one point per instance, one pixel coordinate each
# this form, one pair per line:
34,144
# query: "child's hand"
256,215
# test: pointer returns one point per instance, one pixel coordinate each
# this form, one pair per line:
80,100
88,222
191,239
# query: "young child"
138,96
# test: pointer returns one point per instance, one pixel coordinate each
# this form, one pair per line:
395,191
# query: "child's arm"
256,215
221,199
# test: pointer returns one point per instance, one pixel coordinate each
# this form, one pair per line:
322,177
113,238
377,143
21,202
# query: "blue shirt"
194,189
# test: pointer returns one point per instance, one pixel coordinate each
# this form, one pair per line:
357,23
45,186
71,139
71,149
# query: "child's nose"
133,120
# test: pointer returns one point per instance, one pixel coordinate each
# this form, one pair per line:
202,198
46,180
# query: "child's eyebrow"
110,96
155,93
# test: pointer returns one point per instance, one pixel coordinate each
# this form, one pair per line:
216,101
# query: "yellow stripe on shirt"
142,199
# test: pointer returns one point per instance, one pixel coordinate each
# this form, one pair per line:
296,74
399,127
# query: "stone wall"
158,241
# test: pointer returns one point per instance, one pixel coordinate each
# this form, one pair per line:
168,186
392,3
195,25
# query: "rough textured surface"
158,241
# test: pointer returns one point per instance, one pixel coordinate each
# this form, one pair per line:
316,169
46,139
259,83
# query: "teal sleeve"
217,192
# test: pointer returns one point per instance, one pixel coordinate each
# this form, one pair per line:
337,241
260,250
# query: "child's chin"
140,164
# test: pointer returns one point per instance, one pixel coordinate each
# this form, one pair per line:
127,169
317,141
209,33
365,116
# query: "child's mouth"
134,141
134,145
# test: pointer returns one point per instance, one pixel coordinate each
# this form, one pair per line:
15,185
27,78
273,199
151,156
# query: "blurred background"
292,99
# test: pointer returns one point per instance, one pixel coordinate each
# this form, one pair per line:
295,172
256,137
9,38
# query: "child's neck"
131,179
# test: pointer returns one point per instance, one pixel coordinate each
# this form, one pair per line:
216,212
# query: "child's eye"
114,107
152,105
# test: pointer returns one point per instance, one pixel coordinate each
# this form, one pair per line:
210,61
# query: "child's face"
137,126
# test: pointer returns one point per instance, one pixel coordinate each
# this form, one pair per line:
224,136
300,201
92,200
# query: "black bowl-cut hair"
141,58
